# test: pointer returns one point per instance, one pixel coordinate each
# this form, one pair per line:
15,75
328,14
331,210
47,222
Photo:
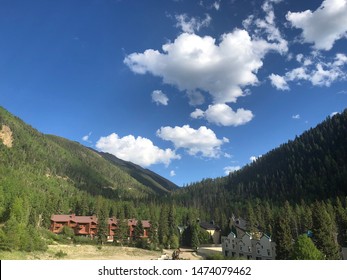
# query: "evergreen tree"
163,230
153,234
195,242
102,228
122,231
324,232
283,237
341,222
138,231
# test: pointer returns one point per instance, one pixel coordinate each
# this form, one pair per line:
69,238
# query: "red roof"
94,219
74,218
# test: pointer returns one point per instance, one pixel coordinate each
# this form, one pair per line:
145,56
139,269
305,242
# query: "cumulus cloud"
196,63
172,173
221,67
190,25
278,82
202,141
296,117
138,150
324,26
318,70
160,98
231,169
222,114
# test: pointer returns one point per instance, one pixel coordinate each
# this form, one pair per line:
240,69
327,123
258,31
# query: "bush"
68,232
84,240
60,254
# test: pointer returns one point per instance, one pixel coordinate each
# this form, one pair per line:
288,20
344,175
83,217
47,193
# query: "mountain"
144,176
39,157
311,167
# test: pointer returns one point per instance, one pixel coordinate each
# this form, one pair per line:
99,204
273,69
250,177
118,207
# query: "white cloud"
195,63
296,117
172,173
160,98
86,137
254,158
202,141
318,70
231,169
324,26
222,114
278,82
138,150
197,114
267,27
190,25
216,5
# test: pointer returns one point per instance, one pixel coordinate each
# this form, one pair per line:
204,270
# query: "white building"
249,246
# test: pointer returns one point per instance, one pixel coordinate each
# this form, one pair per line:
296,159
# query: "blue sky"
188,89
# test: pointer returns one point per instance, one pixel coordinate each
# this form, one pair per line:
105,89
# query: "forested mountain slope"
311,167
54,174
144,176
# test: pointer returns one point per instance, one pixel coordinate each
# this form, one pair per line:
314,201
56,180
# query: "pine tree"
122,231
153,234
324,232
102,228
341,222
195,242
283,237
163,230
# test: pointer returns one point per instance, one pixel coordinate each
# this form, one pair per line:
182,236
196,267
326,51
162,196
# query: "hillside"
311,167
59,172
144,176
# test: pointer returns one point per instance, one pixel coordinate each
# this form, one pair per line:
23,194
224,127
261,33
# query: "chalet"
82,225
87,225
213,230
131,226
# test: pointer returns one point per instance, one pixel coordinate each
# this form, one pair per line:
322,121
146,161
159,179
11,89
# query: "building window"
249,249
268,252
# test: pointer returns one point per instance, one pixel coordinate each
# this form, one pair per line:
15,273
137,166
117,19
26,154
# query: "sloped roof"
94,219
74,218
209,226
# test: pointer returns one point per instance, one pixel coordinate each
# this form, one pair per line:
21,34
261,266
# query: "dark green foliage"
283,237
68,232
324,232
43,175
102,229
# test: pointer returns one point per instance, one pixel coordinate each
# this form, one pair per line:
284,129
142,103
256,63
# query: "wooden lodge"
87,225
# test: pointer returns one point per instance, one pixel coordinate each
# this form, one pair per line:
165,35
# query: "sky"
187,89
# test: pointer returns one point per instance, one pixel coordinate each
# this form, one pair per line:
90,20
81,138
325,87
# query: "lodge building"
87,225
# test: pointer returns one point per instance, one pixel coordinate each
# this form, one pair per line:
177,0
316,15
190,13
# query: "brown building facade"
87,225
